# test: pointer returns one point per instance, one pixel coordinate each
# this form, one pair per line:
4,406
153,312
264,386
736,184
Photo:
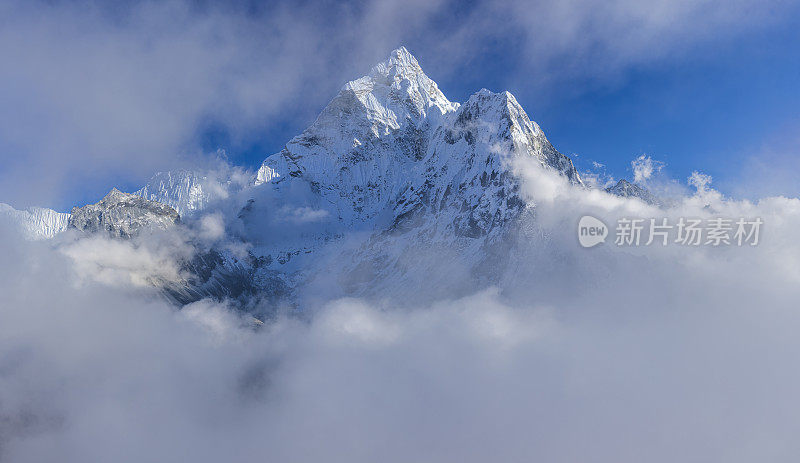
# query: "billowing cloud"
212,226
611,353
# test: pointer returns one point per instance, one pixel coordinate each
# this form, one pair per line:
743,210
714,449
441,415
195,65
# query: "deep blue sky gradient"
709,111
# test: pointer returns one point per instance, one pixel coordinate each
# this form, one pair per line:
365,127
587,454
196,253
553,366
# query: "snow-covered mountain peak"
400,62
392,128
400,86
396,92
360,149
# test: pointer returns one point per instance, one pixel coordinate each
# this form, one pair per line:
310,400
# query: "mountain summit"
393,129
392,158
397,91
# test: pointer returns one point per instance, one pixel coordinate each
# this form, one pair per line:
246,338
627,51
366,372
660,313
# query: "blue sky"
105,94
710,110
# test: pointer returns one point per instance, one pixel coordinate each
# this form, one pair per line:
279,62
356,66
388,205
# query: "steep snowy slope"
191,191
37,222
182,190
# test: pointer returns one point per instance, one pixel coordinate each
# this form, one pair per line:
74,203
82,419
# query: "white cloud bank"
642,354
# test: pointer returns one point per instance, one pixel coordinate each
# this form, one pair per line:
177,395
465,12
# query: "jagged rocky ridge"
122,215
